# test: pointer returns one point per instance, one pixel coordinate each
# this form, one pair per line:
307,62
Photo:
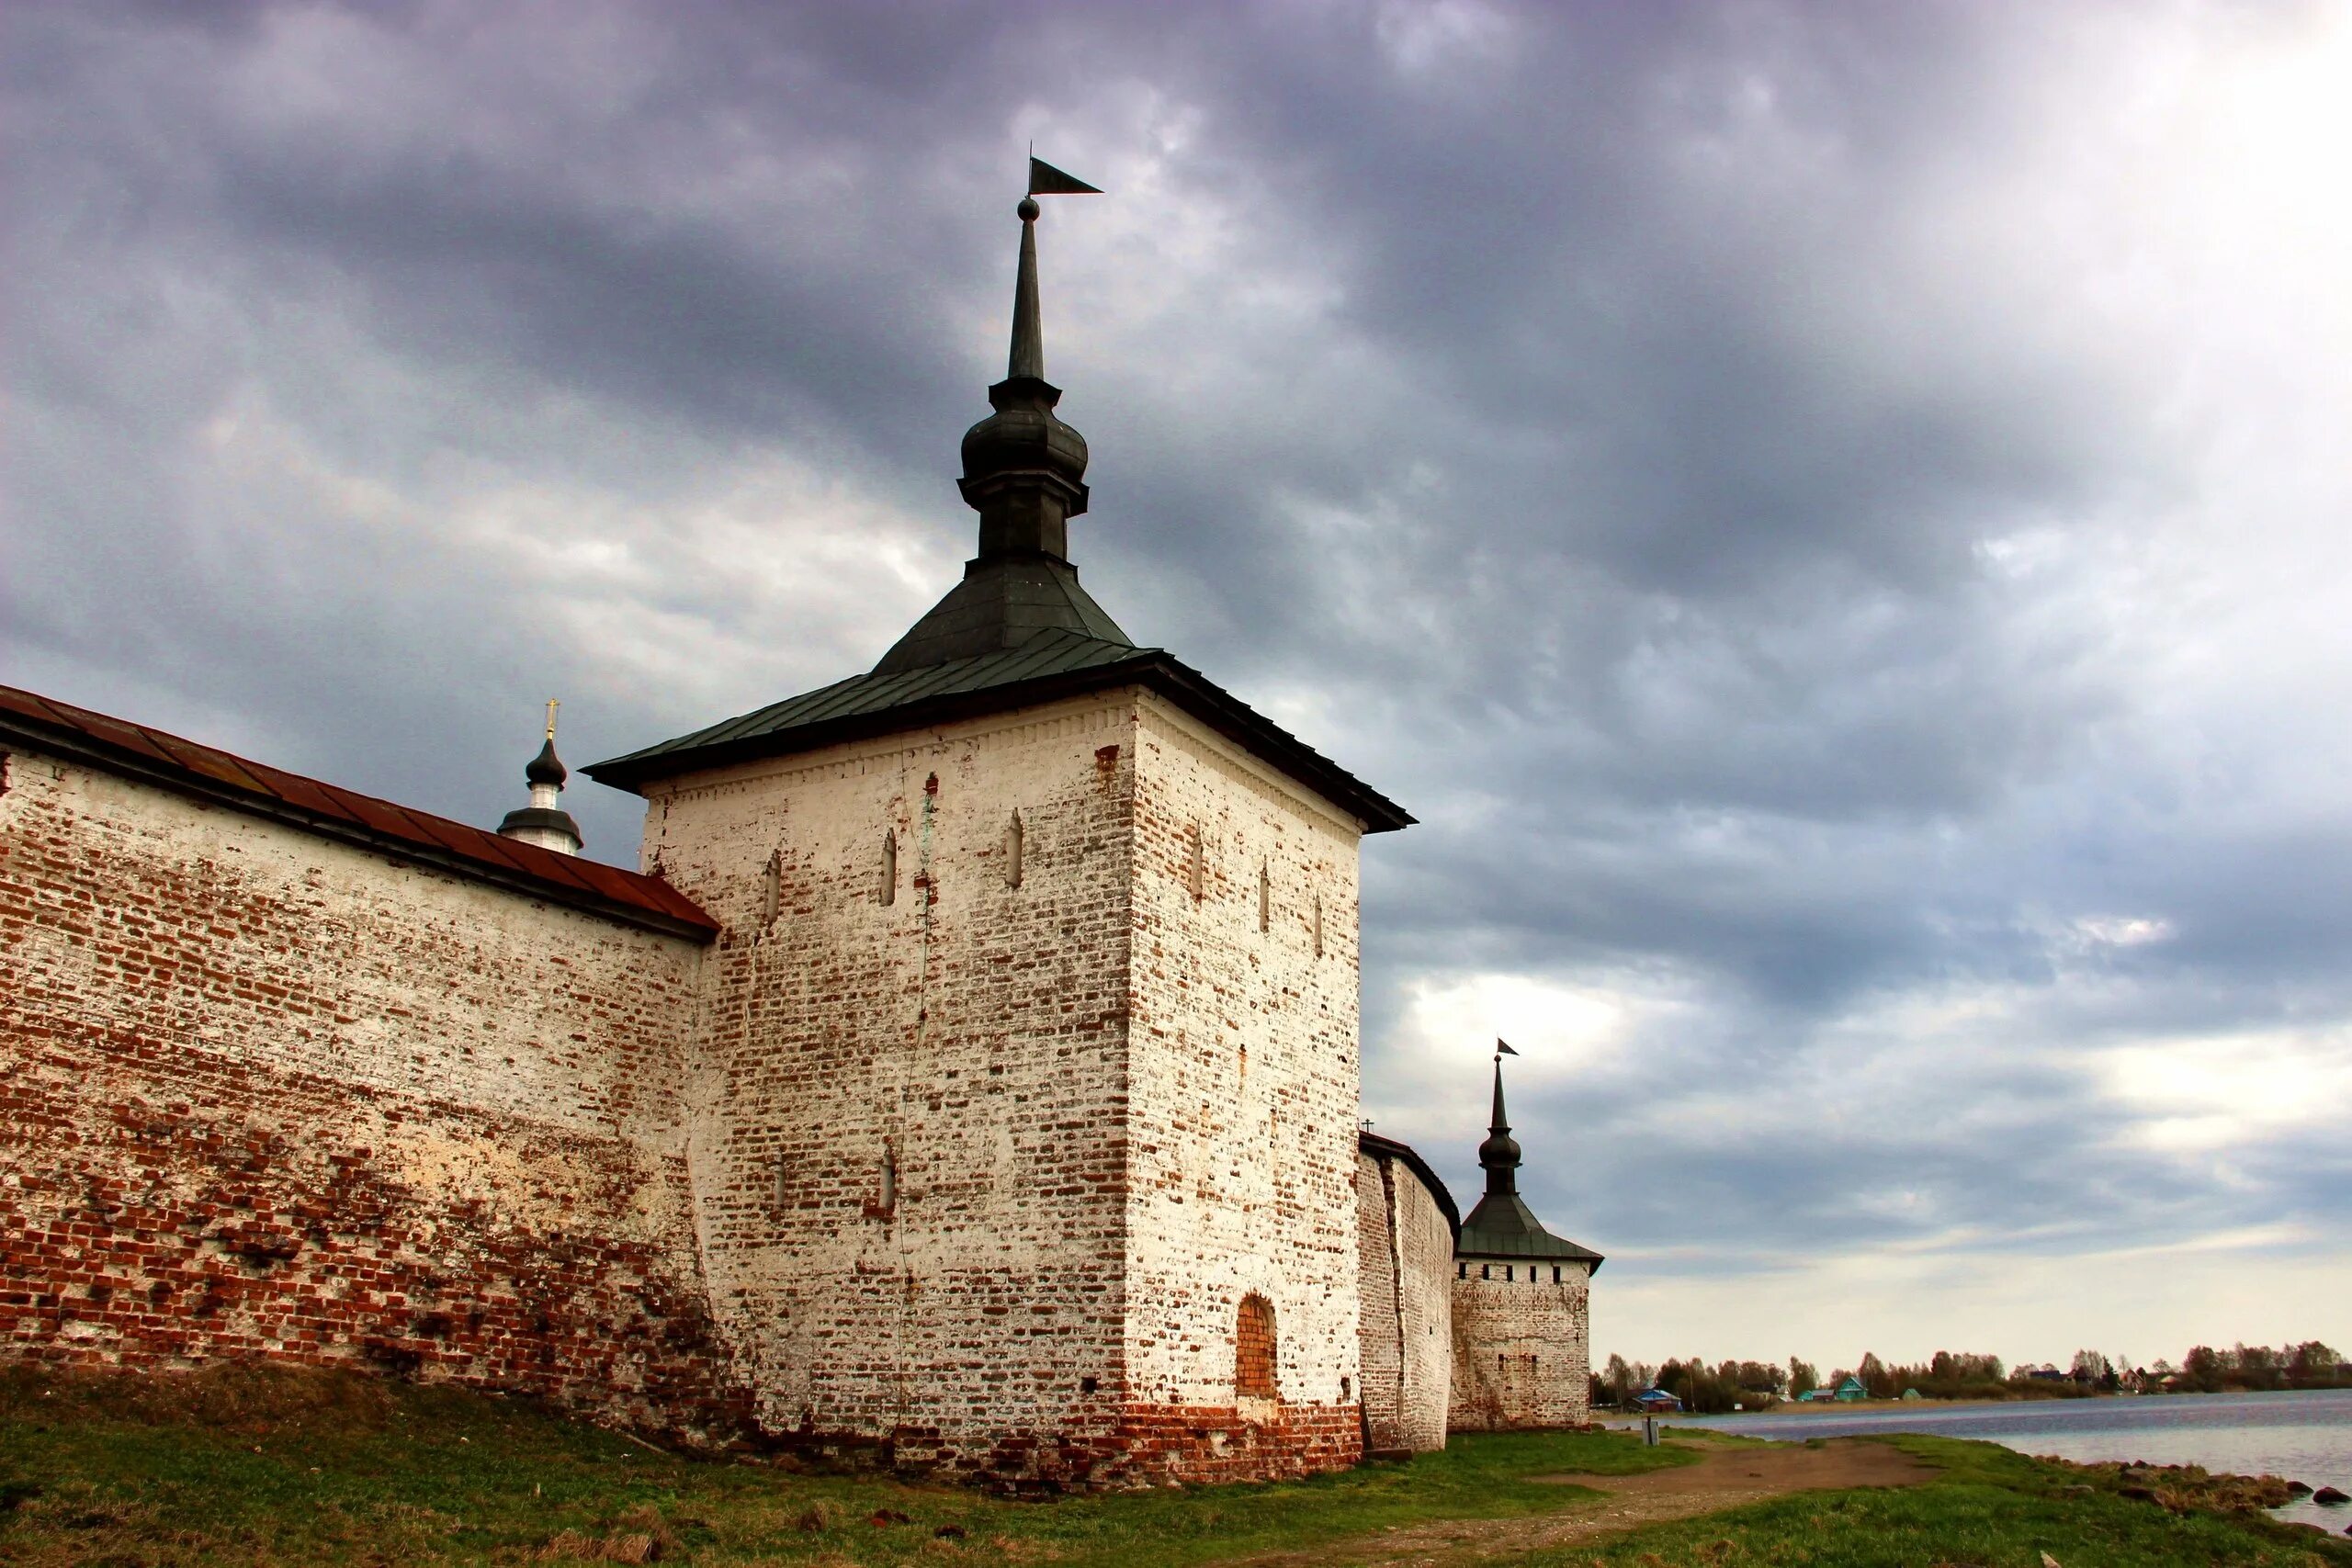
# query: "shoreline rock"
2185,1488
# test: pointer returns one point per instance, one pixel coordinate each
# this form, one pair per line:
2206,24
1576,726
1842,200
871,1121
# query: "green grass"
247,1466
1989,1509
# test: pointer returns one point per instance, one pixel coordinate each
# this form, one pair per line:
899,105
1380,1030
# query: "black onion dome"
545,767
1025,436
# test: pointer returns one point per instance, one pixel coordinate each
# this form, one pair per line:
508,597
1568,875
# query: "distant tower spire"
1499,1153
1502,1227
543,822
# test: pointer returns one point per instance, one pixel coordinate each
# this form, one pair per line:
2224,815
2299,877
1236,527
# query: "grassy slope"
1990,1509
238,1466
270,1467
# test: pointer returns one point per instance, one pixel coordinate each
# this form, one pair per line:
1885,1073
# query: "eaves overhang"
838,717
1406,1154
1502,1226
207,773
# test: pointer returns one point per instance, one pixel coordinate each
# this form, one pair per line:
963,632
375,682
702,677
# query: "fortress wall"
1379,1281
1521,1347
266,1093
1405,1269
1242,1096
970,1033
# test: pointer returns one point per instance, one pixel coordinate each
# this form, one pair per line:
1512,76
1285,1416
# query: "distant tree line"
2251,1368
1711,1390
1722,1386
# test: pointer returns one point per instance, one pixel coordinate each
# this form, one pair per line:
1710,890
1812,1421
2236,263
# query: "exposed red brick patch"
1253,1349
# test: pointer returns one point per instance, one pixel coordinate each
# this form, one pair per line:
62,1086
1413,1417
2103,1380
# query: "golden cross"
552,706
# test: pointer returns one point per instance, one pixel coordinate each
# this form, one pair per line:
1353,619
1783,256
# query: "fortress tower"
1521,1329
1023,1130
969,1075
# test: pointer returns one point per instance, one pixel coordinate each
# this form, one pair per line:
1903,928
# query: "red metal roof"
343,813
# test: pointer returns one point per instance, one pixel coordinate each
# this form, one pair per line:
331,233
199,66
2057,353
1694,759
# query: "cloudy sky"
1835,517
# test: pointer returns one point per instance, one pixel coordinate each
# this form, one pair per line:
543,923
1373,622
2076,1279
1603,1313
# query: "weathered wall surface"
266,1093
1522,1346
1406,1272
923,1152
1242,1099
968,1034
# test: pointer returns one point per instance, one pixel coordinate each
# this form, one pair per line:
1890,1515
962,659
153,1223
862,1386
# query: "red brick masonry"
162,1209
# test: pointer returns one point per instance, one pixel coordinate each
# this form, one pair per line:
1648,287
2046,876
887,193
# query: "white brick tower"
1023,1106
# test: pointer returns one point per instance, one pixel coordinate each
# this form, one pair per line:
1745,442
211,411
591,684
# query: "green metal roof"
1503,1226
1050,653
1000,606
1048,665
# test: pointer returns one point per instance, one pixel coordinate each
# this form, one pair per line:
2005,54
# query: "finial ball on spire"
1028,210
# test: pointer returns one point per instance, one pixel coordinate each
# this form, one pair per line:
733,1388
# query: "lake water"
2305,1437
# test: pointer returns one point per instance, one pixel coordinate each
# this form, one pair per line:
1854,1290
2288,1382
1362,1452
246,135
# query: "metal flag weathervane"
1027,360
1046,180
1502,1050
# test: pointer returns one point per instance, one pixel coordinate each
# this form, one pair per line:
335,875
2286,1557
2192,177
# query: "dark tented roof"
1045,655
150,755
1503,1226
1001,605
1049,664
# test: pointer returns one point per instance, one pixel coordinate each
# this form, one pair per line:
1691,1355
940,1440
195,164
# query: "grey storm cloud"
1622,434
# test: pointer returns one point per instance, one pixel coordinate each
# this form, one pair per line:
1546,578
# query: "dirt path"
1724,1479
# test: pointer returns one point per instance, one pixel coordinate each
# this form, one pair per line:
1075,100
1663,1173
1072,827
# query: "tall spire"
1023,467
1500,1153
1028,357
1502,1226
1024,473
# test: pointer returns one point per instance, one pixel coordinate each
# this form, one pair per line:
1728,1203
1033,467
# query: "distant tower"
543,822
1521,1314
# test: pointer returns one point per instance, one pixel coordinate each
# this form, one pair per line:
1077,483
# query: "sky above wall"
1833,516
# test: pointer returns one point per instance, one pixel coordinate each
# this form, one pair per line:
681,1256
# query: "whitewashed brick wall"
268,1093
1113,1109
1406,1250
1244,1083
981,1169
1522,1346
970,1032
